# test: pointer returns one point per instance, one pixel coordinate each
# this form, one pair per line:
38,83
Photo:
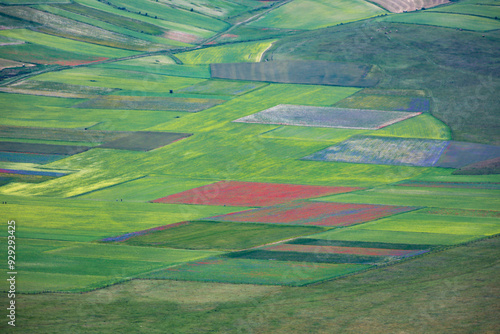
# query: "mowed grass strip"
228,270
314,214
218,235
149,103
237,193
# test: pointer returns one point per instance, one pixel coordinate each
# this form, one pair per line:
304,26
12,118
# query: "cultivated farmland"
250,194
315,214
284,114
400,6
240,166
300,72
384,150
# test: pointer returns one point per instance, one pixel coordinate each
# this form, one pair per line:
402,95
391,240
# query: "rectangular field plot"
385,236
149,103
425,223
56,87
314,213
212,235
343,258
222,87
238,193
386,102
390,246
144,141
384,151
460,154
327,117
250,271
298,72
313,249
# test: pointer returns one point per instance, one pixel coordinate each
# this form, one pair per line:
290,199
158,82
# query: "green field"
314,14
457,21
152,93
232,53
469,8
219,235
314,134
65,44
79,220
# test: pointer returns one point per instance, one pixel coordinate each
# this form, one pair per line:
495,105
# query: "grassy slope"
437,60
410,297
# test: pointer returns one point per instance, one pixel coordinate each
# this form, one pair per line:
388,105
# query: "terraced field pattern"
240,166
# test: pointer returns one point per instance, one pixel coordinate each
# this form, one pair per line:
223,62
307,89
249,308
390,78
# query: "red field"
314,213
342,250
237,193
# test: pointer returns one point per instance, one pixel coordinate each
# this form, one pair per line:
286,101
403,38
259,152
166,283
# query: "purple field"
459,154
384,151
327,117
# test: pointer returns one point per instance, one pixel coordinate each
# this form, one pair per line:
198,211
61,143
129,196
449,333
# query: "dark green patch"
362,244
219,235
144,141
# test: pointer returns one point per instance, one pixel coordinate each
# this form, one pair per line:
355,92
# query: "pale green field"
314,14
